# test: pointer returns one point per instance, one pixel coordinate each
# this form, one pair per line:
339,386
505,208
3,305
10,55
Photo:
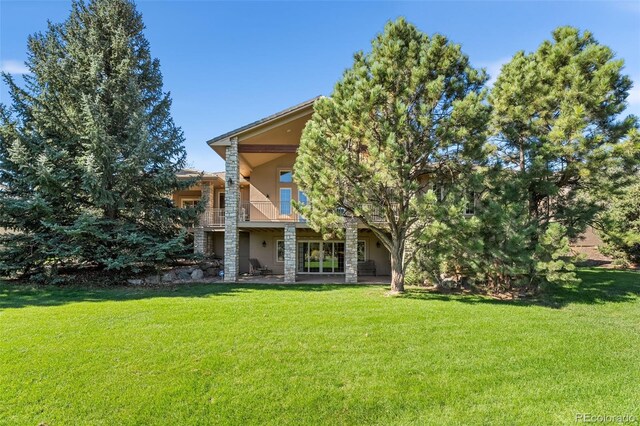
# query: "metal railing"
212,218
252,211
266,211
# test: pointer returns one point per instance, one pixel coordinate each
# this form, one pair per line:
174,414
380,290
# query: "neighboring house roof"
263,121
193,173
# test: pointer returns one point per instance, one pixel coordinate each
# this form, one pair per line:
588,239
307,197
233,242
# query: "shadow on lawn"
21,295
598,286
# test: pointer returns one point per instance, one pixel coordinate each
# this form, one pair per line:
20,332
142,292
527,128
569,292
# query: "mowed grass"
312,354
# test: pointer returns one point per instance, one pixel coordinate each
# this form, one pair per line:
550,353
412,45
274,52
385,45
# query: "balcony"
262,211
252,211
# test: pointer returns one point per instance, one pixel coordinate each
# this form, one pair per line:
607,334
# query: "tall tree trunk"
397,268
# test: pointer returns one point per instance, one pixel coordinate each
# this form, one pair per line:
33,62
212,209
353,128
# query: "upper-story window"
471,201
285,200
286,176
191,203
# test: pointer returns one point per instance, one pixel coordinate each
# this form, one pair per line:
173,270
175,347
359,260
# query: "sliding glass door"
320,257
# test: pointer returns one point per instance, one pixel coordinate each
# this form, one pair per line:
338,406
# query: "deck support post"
351,251
290,253
231,208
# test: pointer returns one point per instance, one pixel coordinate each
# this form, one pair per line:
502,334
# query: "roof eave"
225,139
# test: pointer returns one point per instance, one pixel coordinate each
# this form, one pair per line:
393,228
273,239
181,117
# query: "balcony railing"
263,211
252,211
212,217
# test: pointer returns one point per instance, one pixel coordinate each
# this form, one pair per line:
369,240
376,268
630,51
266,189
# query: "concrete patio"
312,279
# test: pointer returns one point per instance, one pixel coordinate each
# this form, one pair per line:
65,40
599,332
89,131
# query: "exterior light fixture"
378,244
230,181
264,244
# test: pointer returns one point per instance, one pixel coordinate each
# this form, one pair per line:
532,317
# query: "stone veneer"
351,251
232,204
290,253
201,244
198,240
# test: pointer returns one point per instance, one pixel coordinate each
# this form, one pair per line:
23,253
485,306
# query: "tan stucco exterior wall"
268,255
264,180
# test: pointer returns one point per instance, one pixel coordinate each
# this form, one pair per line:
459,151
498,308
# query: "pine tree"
405,115
557,127
88,149
618,221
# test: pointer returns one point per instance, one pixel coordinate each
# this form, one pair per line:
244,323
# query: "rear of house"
249,216
250,222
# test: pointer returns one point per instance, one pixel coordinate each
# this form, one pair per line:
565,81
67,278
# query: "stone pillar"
290,253
208,243
206,196
198,240
350,251
232,204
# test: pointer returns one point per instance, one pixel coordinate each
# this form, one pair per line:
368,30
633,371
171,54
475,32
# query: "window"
470,206
280,251
221,200
286,176
302,198
362,251
438,191
190,204
285,201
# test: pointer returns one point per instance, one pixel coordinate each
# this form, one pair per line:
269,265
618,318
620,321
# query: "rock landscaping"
205,270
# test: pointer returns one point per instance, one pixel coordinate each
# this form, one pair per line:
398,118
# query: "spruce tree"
407,114
88,149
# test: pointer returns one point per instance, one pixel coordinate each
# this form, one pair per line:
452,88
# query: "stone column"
290,253
208,243
232,204
350,251
198,240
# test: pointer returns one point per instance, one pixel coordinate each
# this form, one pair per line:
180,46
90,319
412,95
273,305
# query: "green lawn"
308,354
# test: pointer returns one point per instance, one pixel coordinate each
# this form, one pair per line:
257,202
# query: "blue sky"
230,63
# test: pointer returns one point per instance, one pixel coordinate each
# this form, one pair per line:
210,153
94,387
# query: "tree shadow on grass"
13,295
598,286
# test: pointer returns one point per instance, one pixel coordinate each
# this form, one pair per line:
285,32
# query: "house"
249,212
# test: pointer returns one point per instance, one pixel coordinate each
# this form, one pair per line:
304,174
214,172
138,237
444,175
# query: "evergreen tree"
556,120
618,222
621,226
561,155
405,115
88,149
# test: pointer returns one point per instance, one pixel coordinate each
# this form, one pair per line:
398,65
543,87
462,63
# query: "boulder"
211,272
152,279
206,265
197,274
183,274
447,284
135,282
169,277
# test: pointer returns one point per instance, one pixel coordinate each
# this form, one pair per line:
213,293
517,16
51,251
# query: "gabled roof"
262,121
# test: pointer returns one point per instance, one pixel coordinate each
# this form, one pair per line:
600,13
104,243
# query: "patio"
312,279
